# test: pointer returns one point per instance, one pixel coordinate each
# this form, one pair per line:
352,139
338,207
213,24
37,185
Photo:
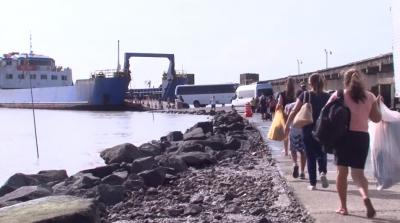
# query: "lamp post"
298,65
326,56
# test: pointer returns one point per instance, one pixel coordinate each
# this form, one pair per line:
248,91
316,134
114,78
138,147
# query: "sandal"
370,209
342,211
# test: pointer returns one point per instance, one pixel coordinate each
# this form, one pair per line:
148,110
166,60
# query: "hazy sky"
215,39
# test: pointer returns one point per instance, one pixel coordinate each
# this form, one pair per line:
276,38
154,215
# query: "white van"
245,93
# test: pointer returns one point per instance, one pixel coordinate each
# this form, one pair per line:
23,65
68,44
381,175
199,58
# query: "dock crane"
168,90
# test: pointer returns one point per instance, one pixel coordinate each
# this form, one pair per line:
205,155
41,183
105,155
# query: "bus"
200,95
246,93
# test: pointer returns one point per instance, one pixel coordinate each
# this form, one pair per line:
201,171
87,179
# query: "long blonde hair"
353,82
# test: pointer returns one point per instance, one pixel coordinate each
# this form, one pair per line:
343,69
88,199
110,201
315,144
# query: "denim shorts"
296,139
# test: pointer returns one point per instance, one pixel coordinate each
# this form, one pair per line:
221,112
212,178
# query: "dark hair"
353,82
290,88
316,82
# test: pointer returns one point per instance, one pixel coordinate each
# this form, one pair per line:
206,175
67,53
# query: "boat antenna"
30,44
26,63
118,65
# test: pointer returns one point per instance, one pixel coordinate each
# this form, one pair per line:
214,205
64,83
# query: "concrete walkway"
322,203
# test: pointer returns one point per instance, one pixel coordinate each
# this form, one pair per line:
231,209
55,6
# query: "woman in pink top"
353,151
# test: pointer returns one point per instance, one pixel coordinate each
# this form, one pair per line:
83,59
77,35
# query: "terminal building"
379,77
249,78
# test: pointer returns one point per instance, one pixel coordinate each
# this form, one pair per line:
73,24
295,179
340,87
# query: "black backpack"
332,124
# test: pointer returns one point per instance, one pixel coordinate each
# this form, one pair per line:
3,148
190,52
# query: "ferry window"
33,76
54,77
21,76
43,77
63,77
9,76
41,61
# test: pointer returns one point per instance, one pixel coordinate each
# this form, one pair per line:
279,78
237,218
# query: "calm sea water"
72,140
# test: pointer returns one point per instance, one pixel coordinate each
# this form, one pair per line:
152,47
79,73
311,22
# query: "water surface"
72,140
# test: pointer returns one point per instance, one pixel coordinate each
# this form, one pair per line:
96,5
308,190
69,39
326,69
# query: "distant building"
186,78
377,72
248,78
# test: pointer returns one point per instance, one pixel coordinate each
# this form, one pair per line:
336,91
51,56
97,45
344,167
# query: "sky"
217,40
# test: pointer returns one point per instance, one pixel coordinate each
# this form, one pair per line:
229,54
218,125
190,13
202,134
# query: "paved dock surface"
322,203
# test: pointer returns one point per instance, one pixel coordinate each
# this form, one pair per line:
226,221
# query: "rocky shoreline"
188,111
217,171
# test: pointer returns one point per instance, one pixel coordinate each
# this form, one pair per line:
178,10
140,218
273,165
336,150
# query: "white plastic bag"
385,152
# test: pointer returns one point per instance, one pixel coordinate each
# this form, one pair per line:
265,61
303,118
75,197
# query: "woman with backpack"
286,97
317,98
353,150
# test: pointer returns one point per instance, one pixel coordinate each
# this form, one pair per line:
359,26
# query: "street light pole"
326,56
298,65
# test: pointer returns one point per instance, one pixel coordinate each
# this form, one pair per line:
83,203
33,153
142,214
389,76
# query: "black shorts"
353,151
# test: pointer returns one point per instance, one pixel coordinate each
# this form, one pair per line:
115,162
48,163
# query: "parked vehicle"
200,95
245,93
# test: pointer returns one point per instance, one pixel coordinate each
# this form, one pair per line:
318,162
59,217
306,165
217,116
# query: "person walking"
286,97
271,105
296,146
263,106
253,104
212,102
353,151
314,153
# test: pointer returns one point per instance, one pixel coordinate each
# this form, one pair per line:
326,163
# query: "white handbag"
304,116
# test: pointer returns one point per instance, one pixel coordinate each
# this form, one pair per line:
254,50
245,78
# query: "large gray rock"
83,181
227,118
102,171
16,181
24,193
52,209
142,164
110,194
150,149
134,182
54,175
206,126
196,159
121,153
214,143
43,177
6,189
153,178
174,136
179,165
233,144
190,146
196,133
235,126
112,179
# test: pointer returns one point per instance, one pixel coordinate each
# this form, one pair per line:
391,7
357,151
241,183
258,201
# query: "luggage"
385,148
332,124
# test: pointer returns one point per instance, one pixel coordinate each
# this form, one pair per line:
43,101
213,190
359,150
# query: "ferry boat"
29,79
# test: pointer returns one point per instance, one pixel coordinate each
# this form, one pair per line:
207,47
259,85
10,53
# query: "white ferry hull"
96,94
